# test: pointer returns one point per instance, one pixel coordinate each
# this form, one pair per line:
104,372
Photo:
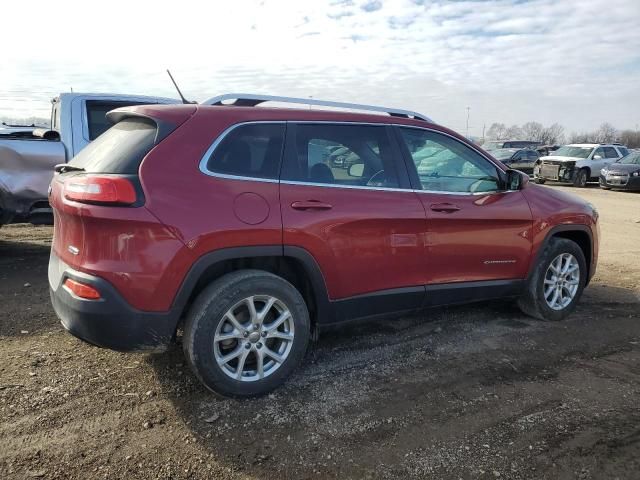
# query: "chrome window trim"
205,159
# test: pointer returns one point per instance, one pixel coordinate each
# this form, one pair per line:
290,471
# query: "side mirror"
597,157
356,170
516,180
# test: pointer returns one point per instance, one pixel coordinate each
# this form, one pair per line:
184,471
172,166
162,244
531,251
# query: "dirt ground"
479,391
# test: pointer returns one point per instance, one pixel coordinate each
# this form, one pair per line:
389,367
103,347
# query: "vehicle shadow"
330,395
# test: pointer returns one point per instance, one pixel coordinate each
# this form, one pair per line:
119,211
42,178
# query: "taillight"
100,189
82,290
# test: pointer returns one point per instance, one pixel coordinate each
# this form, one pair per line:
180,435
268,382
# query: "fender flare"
569,227
312,270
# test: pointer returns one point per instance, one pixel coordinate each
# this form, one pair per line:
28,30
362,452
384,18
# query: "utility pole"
484,125
467,134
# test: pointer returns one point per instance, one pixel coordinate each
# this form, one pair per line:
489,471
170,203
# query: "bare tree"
606,133
513,133
532,131
630,138
496,131
552,135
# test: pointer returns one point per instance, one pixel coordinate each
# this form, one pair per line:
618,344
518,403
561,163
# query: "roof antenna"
184,100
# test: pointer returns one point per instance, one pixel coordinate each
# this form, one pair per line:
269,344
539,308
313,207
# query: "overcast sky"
576,62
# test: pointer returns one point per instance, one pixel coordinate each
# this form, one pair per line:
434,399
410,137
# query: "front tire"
581,179
246,333
557,282
539,181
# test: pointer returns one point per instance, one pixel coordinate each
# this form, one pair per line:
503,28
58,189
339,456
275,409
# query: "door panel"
344,200
366,241
487,237
475,230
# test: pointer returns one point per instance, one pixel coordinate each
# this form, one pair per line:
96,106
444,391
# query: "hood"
623,167
556,159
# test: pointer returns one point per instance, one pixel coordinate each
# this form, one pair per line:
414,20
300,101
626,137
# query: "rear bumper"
109,322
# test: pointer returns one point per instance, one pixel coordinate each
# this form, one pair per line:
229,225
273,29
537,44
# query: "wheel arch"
294,264
580,234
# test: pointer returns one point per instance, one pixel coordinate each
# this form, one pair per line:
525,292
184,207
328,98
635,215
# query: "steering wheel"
378,179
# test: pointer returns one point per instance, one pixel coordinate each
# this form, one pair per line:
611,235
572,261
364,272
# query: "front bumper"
555,173
622,182
109,322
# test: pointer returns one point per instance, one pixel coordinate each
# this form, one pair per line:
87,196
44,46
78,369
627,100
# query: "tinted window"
120,149
531,155
252,150
599,151
97,116
610,152
444,164
623,151
342,155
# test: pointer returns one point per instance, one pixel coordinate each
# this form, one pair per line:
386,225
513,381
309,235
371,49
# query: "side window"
599,151
349,155
97,115
444,164
532,155
623,151
252,150
610,152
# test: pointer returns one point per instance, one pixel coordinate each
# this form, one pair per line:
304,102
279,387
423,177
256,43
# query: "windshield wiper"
65,167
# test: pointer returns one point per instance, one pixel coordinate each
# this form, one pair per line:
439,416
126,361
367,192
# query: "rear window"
120,149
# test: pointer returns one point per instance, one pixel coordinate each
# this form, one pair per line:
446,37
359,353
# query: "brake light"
82,290
100,189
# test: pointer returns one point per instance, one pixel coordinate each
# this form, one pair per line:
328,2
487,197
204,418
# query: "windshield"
569,151
493,145
503,153
632,158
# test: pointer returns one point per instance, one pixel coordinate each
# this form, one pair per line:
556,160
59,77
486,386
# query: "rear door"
347,203
475,231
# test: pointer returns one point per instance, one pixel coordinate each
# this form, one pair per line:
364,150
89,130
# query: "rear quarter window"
120,149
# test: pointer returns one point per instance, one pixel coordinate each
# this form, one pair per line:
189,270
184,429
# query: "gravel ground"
478,391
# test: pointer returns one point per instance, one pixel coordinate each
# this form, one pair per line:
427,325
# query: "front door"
476,231
345,201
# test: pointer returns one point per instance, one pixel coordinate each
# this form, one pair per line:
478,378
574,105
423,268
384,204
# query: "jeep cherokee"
232,223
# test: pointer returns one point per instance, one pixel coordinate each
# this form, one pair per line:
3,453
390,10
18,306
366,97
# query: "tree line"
554,134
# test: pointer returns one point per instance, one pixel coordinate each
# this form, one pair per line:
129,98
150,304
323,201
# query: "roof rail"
251,100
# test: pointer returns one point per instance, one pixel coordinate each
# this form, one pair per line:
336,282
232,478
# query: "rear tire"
581,178
246,333
540,299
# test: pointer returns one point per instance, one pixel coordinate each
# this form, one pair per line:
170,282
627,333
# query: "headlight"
636,174
604,171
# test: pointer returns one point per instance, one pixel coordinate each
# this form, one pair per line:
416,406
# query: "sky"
575,62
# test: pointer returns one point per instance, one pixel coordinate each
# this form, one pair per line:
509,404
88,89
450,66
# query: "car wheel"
557,282
581,179
539,181
246,332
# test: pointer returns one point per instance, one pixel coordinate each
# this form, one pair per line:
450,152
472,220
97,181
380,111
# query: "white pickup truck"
28,158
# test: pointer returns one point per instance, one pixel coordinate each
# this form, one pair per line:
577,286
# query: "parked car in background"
624,174
577,163
522,159
545,150
197,217
28,155
498,144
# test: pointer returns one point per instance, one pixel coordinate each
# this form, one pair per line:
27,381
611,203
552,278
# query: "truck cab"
27,159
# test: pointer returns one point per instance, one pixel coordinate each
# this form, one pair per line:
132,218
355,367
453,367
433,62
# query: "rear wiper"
65,167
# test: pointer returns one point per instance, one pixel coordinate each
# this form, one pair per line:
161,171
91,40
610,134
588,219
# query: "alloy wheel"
561,281
254,338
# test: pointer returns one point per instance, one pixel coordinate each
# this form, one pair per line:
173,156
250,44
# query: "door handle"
311,205
444,207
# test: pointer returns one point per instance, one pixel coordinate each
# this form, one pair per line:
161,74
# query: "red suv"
237,224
